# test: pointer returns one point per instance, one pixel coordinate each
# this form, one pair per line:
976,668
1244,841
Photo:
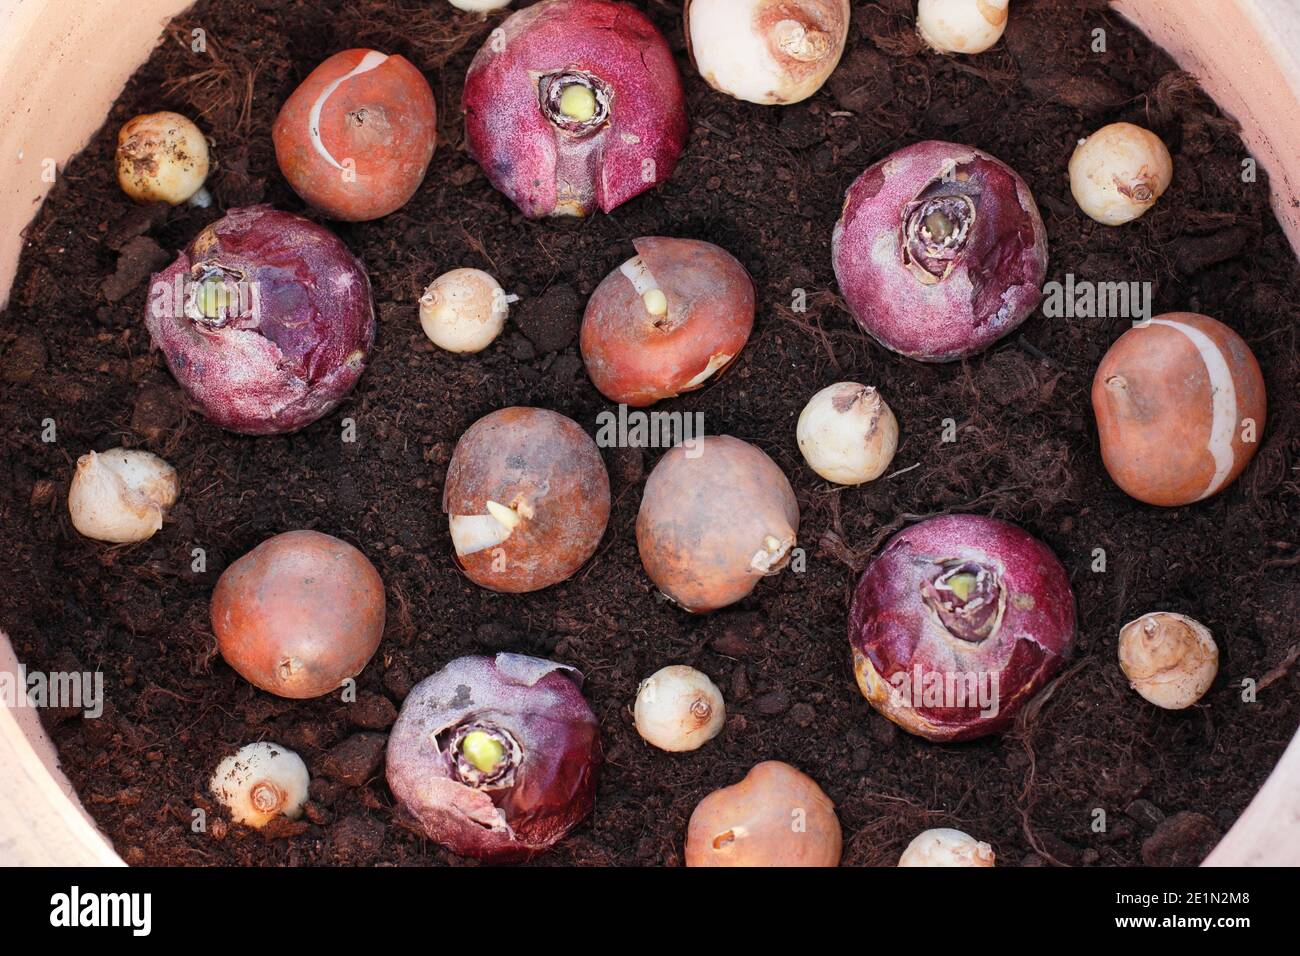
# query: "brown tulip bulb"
717,516
776,816
299,614
1180,408
527,499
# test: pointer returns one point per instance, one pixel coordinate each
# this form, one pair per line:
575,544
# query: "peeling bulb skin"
957,623
121,496
527,499
667,321
939,251
1180,406
260,782
299,614
162,157
847,433
776,816
946,847
496,758
766,51
464,310
1119,172
356,138
265,320
961,26
715,519
1170,659
678,709
574,105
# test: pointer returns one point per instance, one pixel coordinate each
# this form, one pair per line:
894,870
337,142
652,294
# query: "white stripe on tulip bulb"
261,782
479,6
1170,659
678,708
961,26
847,433
464,310
163,157
1119,172
122,495
765,51
946,847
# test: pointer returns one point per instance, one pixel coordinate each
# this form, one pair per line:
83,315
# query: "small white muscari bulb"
260,782
163,157
765,52
946,847
961,26
479,6
1119,172
678,708
464,310
1170,659
121,496
847,433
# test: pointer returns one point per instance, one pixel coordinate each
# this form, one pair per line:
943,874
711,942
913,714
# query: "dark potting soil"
766,184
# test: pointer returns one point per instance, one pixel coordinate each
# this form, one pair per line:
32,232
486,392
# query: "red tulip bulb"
667,320
355,139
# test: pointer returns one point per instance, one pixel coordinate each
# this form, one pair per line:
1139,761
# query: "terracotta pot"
63,64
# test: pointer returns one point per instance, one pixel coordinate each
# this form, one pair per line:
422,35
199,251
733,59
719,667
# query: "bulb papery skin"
479,6
549,164
667,321
260,782
295,332
299,614
543,788
957,623
356,137
1170,659
766,51
961,26
715,519
776,816
1181,407
527,499
936,298
946,847
161,157
121,496
1119,172
847,433
464,310
678,709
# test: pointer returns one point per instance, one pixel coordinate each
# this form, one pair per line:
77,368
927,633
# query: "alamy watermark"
64,690
1082,299
933,690
637,429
